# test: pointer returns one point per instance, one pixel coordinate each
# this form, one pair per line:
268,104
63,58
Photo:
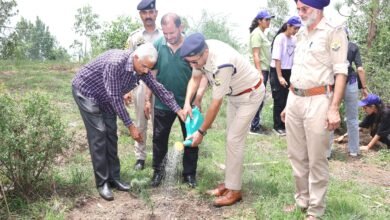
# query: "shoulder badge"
335,45
217,82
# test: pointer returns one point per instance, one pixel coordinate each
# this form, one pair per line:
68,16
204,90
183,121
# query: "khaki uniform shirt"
227,71
140,36
319,55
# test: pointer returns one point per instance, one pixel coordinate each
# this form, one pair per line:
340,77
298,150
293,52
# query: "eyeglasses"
196,60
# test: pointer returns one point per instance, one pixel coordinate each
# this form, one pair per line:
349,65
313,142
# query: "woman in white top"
282,56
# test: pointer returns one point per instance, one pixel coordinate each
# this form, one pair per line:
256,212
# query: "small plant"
139,187
31,136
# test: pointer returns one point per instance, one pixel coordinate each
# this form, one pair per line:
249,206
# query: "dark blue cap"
192,45
294,21
264,14
371,99
146,5
318,4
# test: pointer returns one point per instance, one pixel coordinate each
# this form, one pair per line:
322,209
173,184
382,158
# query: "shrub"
31,135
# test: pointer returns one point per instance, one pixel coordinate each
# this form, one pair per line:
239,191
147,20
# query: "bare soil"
179,203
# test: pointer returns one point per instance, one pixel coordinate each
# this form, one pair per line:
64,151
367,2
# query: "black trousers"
279,94
163,121
102,139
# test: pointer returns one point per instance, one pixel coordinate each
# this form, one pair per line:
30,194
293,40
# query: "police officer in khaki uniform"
318,79
228,73
148,33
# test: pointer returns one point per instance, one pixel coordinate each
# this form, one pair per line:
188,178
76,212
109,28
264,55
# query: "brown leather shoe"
229,198
219,191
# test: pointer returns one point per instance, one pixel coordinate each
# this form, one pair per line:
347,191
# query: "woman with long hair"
260,54
377,120
282,48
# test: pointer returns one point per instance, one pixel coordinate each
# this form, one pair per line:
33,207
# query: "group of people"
166,73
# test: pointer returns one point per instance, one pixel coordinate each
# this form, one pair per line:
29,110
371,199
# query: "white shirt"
283,50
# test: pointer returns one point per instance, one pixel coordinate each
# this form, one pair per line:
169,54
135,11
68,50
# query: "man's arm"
192,86
148,98
334,120
200,92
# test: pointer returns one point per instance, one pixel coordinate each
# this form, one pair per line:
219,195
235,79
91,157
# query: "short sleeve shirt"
283,50
259,40
141,36
319,55
227,71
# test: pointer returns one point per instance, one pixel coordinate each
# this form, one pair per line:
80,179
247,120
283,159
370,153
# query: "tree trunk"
372,26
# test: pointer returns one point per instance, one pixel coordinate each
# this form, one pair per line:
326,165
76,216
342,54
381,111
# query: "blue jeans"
255,124
351,95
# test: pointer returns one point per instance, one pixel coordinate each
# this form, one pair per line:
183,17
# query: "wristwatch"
203,133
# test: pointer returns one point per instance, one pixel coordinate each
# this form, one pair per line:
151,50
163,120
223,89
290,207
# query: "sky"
59,14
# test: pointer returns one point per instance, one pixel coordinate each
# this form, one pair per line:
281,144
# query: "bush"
31,136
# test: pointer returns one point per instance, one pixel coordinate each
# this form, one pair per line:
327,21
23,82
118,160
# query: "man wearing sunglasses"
229,74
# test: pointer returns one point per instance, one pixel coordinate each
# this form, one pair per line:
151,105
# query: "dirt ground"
176,203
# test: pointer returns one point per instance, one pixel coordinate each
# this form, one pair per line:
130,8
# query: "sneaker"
280,132
353,154
257,131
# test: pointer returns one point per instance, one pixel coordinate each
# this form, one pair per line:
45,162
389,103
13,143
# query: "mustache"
148,19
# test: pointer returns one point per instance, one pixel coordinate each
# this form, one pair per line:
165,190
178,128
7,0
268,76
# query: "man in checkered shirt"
98,89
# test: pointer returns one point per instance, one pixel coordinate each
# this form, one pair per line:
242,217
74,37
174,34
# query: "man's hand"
147,109
181,115
187,109
128,98
198,102
333,120
134,133
282,81
283,116
197,139
364,93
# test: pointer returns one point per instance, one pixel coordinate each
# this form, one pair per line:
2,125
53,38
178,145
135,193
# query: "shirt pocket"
319,54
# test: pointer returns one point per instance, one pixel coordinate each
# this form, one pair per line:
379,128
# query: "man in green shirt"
174,73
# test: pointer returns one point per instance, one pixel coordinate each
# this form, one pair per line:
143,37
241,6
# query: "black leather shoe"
139,165
190,180
157,178
121,186
105,192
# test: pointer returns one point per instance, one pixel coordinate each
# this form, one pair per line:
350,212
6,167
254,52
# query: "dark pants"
102,139
163,121
255,124
279,94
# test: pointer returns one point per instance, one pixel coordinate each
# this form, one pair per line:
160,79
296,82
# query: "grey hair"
146,50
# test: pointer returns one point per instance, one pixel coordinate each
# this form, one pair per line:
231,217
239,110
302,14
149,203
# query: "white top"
283,50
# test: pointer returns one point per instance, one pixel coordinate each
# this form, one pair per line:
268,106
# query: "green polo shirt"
173,73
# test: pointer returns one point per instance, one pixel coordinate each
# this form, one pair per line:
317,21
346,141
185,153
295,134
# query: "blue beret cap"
192,45
318,4
146,5
264,14
294,21
371,99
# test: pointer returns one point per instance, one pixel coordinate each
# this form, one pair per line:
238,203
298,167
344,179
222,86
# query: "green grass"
267,180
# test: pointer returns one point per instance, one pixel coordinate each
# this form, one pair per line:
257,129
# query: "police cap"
192,45
146,5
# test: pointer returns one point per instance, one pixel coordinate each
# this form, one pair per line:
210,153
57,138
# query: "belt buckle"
299,92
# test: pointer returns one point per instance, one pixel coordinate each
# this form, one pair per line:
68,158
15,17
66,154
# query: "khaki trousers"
240,111
140,121
307,145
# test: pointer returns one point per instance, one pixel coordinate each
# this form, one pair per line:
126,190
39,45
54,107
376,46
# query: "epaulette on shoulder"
134,32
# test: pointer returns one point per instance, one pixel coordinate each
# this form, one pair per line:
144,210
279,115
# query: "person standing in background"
282,48
148,33
260,54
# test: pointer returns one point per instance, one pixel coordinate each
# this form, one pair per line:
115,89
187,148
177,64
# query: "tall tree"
216,27
278,8
86,24
6,12
115,34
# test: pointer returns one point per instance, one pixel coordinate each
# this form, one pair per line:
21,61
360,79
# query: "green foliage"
32,134
114,34
86,25
278,8
32,41
216,27
6,11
